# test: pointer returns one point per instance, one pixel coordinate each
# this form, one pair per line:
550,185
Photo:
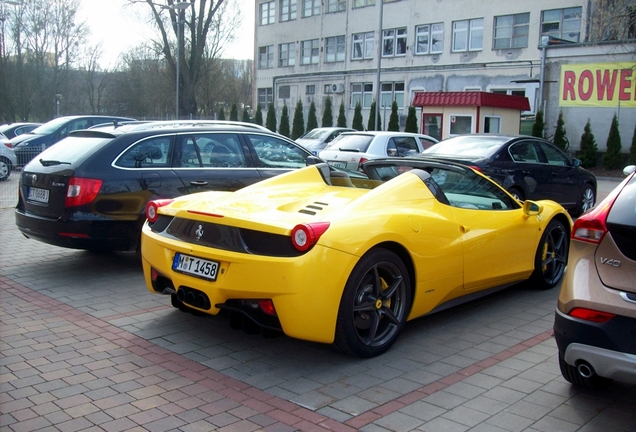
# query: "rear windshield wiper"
53,162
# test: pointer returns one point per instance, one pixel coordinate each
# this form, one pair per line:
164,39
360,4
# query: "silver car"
7,158
351,149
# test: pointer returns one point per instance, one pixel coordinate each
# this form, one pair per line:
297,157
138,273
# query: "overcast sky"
120,27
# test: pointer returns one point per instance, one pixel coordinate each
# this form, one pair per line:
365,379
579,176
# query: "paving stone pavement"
84,346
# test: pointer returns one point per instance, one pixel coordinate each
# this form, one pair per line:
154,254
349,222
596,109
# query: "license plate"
341,165
39,195
195,266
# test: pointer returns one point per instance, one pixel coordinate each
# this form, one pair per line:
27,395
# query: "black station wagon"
90,190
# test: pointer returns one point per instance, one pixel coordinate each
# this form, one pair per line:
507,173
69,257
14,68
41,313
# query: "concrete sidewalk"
84,346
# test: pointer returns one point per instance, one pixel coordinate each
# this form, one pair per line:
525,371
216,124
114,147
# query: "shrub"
342,118
271,118
327,115
234,113
589,149
374,120
357,118
560,139
298,125
539,125
312,120
283,129
411,121
221,115
394,119
612,157
631,159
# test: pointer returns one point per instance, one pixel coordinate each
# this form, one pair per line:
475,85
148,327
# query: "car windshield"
71,149
353,142
317,134
478,146
49,127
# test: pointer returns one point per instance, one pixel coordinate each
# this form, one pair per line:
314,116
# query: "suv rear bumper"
610,348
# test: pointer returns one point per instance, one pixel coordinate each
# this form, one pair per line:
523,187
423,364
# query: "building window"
287,54
265,97
492,124
310,89
363,3
336,5
392,91
429,38
335,49
511,31
460,125
288,10
284,92
268,13
394,42
362,46
311,8
310,52
468,35
363,94
266,57
562,24
432,125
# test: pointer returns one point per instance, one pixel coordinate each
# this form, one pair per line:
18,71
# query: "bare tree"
613,20
95,80
203,29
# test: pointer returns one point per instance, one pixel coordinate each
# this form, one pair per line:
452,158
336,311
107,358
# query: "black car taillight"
81,191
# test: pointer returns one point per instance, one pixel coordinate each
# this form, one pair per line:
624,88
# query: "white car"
7,158
351,149
317,139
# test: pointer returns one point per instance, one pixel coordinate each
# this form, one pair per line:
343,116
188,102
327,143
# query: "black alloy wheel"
551,257
374,305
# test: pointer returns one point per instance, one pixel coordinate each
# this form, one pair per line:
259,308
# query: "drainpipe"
544,46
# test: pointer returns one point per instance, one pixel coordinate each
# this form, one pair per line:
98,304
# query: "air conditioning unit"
338,88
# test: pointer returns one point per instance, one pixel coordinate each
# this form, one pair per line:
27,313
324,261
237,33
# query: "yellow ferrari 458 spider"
324,256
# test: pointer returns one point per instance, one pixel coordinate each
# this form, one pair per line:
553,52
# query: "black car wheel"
374,305
551,256
585,378
586,202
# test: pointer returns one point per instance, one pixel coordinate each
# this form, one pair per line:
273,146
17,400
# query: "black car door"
530,169
565,183
274,155
212,161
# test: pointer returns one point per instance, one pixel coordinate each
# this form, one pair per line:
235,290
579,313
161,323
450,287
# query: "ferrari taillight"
304,236
591,315
151,208
81,191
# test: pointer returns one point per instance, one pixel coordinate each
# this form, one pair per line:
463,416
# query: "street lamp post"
179,6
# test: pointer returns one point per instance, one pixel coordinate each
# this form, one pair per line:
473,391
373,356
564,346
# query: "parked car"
12,130
595,319
7,159
317,139
351,149
30,144
527,167
89,191
324,257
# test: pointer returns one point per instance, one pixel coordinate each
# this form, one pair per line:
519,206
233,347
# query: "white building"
309,50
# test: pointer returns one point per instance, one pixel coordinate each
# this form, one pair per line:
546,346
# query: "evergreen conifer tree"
374,122
560,139
283,129
357,118
342,118
298,125
221,115
312,120
589,149
258,118
394,119
631,159
411,121
612,157
234,113
539,125
327,115
246,115
271,118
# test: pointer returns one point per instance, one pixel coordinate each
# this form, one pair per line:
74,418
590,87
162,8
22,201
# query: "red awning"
471,99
